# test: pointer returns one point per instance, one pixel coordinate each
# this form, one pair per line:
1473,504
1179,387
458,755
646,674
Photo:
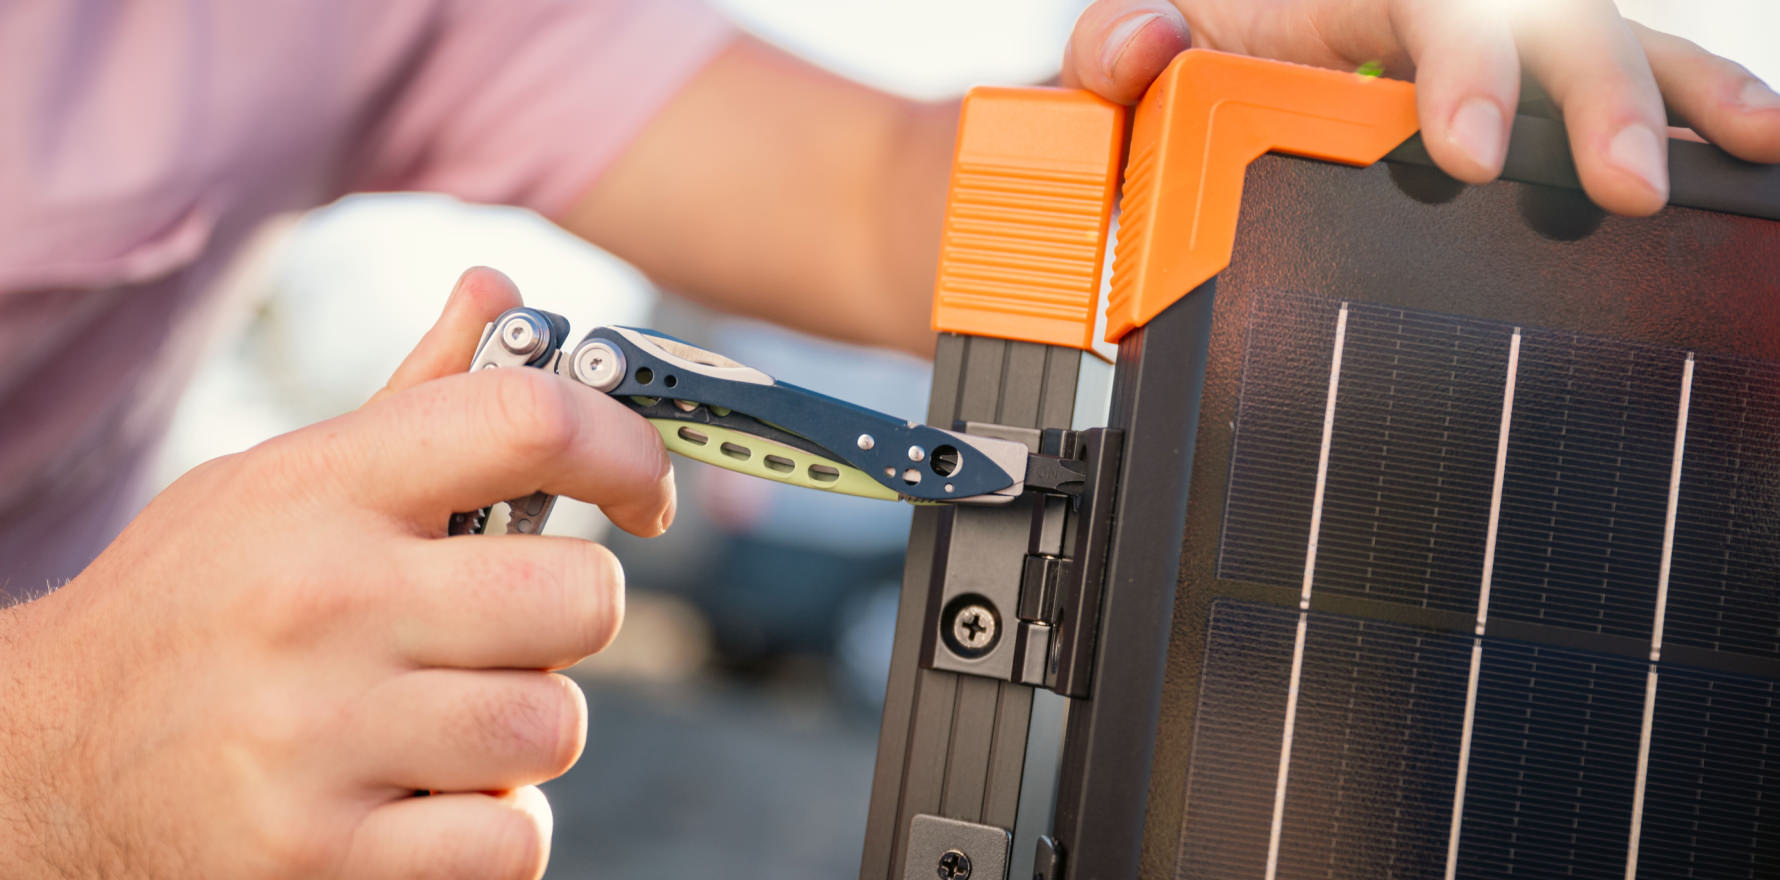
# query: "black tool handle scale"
918,461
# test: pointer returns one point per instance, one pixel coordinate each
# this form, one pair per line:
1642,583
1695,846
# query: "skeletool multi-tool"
710,408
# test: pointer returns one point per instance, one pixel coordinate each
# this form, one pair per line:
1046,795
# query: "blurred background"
733,723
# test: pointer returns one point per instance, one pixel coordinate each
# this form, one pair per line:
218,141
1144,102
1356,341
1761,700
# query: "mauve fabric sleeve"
525,102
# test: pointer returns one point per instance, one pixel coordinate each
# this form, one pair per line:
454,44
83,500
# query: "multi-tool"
710,408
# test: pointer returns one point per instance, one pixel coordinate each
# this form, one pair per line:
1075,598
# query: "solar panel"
1557,494
1446,538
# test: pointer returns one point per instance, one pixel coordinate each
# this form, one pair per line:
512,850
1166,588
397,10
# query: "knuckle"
264,736
209,476
532,413
298,604
286,842
291,606
293,462
298,851
270,730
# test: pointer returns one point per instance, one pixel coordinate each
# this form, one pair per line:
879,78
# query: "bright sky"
931,48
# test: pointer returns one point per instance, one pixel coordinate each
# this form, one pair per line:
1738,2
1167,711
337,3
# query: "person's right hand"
256,677
1609,76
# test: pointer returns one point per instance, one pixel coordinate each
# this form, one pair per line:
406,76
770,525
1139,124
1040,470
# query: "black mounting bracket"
1022,603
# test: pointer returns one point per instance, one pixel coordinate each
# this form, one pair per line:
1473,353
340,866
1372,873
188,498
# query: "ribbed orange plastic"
1033,179
1197,129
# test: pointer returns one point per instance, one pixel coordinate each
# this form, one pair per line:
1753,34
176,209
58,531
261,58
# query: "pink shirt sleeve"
525,102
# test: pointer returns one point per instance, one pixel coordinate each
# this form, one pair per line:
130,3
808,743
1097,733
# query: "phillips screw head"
974,627
599,365
954,865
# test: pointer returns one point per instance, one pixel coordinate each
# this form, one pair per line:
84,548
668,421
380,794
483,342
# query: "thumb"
481,295
1120,46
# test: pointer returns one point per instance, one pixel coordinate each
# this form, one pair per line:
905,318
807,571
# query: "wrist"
913,203
21,798
42,831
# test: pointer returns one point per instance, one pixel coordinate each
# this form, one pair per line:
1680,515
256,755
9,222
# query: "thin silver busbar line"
1656,629
1483,606
1316,524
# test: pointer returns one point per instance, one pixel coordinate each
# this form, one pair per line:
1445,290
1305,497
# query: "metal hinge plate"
1018,588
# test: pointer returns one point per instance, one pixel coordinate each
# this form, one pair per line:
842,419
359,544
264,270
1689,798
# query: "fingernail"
458,285
1476,129
667,516
1636,151
1757,96
1120,38
464,276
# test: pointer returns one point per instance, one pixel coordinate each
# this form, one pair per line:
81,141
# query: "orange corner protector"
1033,179
1197,129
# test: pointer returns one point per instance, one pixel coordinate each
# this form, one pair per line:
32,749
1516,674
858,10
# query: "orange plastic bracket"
1033,178
1197,129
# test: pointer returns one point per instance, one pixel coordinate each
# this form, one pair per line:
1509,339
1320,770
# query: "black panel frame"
954,745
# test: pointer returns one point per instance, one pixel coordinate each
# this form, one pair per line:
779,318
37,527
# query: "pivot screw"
954,865
522,335
598,365
974,627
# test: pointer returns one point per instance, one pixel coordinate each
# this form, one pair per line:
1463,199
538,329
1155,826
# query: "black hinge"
1075,606
1053,590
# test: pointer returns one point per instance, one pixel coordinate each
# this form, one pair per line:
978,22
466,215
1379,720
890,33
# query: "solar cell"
1614,498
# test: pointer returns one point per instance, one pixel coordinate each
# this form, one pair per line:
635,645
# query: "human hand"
255,678
1610,76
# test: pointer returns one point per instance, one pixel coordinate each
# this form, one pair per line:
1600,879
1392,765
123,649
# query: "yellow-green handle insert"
759,457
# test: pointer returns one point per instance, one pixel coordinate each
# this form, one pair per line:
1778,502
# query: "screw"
599,365
866,442
954,865
916,453
974,627
522,335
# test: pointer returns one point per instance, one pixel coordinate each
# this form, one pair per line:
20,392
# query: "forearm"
905,225
37,724
19,823
773,189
